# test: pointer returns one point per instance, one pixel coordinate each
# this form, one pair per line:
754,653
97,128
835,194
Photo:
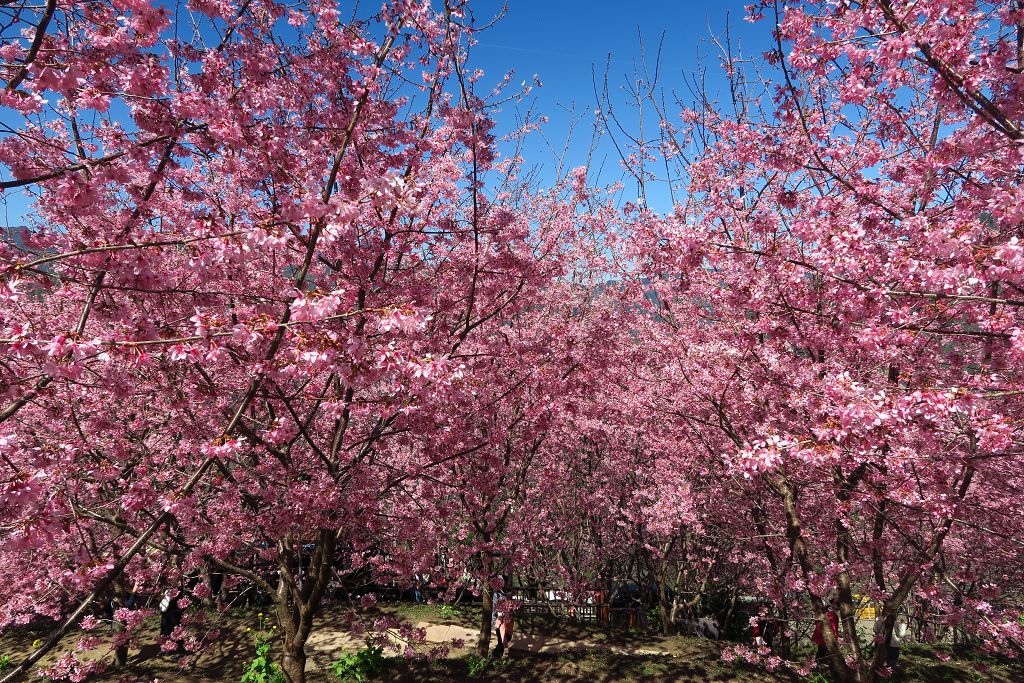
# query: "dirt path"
327,645
231,649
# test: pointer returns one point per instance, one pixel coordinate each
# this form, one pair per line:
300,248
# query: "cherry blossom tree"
840,285
244,276
283,311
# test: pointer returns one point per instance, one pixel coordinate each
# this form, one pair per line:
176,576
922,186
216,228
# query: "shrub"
361,665
263,668
476,665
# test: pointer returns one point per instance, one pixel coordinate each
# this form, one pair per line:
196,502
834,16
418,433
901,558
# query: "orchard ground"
543,650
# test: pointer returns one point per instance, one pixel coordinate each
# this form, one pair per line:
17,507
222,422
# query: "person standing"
499,610
900,631
818,637
170,615
769,629
417,588
502,616
764,630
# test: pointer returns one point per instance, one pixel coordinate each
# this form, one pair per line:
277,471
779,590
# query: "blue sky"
565,43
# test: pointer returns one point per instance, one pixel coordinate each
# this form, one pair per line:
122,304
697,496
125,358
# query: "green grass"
464,615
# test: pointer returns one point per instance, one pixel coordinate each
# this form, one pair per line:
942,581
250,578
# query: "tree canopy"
287,311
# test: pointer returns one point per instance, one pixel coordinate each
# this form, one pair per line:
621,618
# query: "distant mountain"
14,234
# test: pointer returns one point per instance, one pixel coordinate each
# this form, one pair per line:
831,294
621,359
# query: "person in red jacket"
818,638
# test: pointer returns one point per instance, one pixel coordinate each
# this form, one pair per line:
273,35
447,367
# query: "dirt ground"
546,651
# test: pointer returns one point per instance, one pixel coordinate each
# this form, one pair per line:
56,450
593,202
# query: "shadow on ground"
576,667
543,649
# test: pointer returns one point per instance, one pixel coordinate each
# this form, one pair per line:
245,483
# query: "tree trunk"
842,672
293,645
298,598
214,580
844,545
660,580
293,664
676,596
734,593
909,579
784,643
483,645
798,547
664,609
118,601
121,651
